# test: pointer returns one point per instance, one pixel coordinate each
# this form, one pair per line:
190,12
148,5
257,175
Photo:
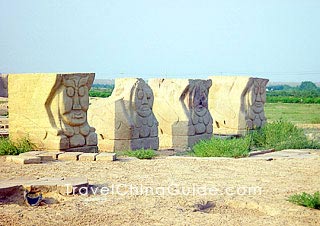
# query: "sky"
274,39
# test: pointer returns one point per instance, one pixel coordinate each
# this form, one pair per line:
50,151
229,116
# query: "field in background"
305,116
295,113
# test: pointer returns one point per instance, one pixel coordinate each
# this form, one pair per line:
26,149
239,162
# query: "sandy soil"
278,180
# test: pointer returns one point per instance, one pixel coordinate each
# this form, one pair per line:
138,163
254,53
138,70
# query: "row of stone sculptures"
53,111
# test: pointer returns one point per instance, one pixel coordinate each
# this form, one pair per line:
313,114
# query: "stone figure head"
142,98
198,101
257,94
75,99
3,85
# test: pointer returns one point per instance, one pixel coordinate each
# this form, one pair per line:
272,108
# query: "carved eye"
140,94
148,96
70,91
81,91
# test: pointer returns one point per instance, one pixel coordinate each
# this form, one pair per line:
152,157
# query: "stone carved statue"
72,93
3,85
52,110
125,120
144,122
196,94
256,98
181,107
236,104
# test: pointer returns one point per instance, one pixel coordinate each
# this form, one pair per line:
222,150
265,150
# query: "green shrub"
281,135
217,147
99,93
8,147
141,153
305,199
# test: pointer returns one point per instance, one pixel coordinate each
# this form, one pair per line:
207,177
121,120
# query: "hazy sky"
276,39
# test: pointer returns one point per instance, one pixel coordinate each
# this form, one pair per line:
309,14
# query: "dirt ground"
243,192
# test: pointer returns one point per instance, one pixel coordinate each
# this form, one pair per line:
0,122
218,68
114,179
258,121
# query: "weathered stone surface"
23,159
104,156
88,157
236,103
69,156
53,154
3,85
51,110
8,189
181,108
44,155
289,154
125,120
32,153
64,186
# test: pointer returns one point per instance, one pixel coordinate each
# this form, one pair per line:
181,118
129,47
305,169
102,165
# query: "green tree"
307,85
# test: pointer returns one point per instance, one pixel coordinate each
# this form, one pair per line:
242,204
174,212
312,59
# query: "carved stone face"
258,95
200,98
143,99
75,100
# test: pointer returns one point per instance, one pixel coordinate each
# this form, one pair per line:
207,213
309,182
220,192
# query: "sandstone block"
125,120
64,186
69,156
236,103
181,107
24,159
88,157
51,110
104,156
44,155
7,190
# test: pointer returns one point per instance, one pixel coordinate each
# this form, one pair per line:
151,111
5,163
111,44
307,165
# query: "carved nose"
258,97
76,103
144,100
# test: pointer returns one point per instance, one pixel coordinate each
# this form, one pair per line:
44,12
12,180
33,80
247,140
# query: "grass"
305,199
295,113
281,135
8,147
217,147
141,153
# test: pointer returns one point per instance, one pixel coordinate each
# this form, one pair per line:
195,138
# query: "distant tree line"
307,92
101,90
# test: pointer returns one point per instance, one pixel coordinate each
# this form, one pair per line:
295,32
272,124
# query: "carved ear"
90,80
208,83
83,81
265,82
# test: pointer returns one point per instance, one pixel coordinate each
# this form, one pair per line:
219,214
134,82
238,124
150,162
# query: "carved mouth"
258,104
200,108
77,116
144,107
